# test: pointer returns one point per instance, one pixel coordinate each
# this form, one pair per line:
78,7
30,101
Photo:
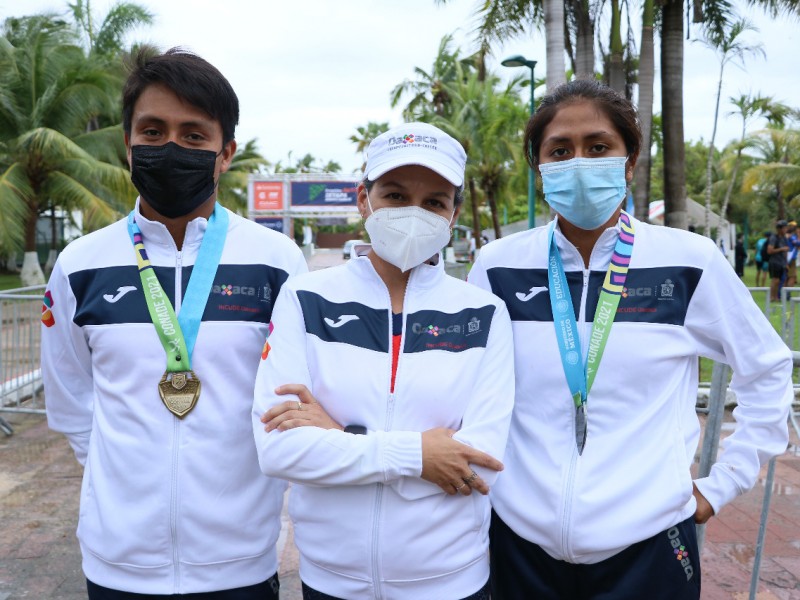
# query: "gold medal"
179,392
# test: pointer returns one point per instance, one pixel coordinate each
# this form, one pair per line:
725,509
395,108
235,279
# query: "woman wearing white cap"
385,393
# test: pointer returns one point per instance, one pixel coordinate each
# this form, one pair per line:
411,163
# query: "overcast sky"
308,72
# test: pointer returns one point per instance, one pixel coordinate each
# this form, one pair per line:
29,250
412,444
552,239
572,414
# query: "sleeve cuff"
401,452
719,488
80,445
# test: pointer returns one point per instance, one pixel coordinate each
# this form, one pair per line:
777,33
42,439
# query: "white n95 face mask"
406,236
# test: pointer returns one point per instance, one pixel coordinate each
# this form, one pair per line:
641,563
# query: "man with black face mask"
152,335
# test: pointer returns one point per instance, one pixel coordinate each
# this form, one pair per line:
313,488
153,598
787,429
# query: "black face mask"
172,179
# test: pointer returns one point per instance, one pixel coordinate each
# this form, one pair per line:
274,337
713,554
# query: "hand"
446,462
704,509
303,412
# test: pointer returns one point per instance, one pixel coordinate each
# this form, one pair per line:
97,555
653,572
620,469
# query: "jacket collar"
425,275
155,232
601,253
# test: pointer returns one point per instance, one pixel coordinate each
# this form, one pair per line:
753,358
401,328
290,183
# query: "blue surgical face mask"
585,191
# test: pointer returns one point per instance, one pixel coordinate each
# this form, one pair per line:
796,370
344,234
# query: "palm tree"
554,40
488,123
503,19
103,44
307,164
779,172
675,212
364,136
49,90
107,39
428,95
729,48
580,20
232,189
641,175
616,68
748,107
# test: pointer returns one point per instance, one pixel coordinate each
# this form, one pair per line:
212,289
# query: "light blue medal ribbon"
179,334
580,379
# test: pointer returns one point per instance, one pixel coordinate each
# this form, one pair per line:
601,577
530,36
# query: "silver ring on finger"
299,405
458,487
468,480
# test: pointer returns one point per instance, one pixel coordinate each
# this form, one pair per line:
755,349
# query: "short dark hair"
458,200
617,108
192,78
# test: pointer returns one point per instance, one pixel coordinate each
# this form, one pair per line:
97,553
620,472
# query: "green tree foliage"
107,38
49,91
488,122
487,119
776,177
364,136
232,189
730,48
104,44
307,164
427,91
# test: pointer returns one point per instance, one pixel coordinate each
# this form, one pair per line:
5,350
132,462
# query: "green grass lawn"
9,281
749,280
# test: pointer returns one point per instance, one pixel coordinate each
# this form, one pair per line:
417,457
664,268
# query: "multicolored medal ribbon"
179,387
580,380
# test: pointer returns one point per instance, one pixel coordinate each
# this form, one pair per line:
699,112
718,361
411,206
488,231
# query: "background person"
415,369
740,256
172,501
791,256
596,499
777,251
762,260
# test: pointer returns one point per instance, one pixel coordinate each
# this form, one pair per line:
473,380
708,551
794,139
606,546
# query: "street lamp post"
521,61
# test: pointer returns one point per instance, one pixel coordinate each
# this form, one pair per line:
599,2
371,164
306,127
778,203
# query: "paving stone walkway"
39,556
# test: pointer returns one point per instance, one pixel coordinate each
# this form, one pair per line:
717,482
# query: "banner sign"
274,223
313,195
267,195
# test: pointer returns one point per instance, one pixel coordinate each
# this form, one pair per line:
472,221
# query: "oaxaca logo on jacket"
237,298
263,293
435,330
660,291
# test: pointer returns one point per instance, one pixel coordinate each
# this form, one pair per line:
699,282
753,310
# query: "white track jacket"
366,524
168,506
682,300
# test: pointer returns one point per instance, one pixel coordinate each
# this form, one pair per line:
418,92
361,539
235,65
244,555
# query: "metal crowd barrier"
711,435
20,337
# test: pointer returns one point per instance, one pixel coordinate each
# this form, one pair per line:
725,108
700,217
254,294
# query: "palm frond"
15,192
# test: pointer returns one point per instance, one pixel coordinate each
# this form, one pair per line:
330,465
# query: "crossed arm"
445,462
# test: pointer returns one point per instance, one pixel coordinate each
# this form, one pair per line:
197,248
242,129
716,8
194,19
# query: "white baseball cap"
417,144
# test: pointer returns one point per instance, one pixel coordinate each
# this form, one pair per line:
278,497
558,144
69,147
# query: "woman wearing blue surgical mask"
610,315
385,393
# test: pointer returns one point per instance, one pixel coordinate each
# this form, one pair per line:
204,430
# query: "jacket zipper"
387,425
566,524
176,430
